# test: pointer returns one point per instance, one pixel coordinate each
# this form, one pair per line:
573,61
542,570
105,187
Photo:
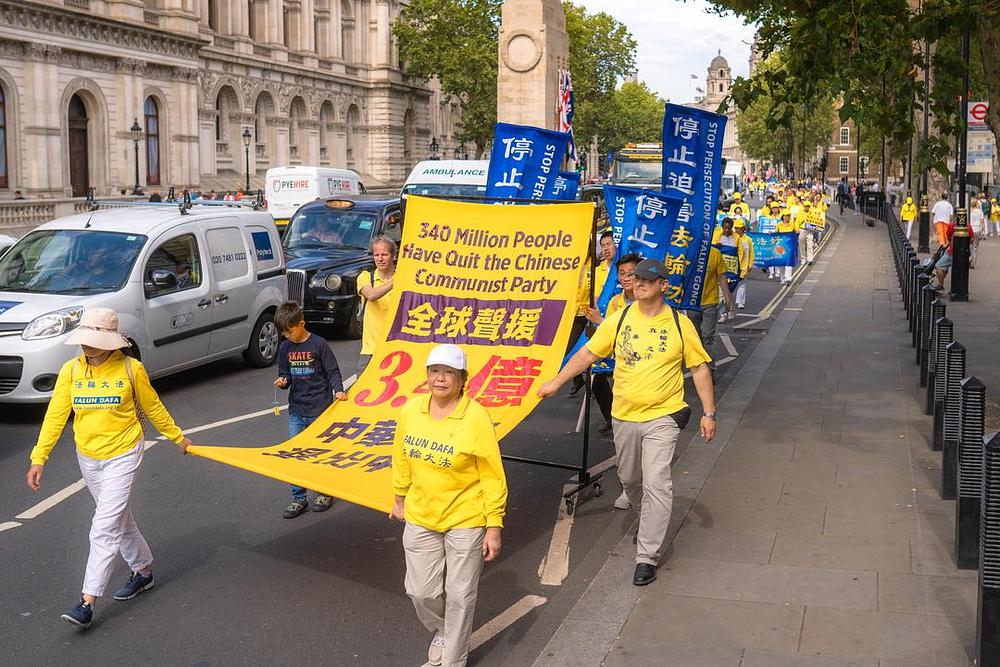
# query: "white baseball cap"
447,355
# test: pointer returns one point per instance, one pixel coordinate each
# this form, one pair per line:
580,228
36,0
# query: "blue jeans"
297,424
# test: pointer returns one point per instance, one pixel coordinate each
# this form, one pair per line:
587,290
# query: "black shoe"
295,508
645,574
605,427
577,386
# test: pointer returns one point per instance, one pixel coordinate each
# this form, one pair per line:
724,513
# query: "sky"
677,39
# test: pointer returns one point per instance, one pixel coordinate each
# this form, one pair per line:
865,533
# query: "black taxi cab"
326,247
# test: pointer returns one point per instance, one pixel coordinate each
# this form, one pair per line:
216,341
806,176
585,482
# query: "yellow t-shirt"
649,381
449,469
616,303
740,208
714,272
376,314
105,424
600,277
745,246
785,226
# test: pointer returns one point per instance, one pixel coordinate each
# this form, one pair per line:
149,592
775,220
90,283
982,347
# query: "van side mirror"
162,279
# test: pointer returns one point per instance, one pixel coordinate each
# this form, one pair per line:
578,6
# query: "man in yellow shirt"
651,343
807,244
907,214
706,320
785,225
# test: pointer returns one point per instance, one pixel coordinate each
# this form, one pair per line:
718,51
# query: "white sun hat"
98,328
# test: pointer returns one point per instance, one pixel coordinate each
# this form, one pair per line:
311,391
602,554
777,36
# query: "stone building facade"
315,82
718,82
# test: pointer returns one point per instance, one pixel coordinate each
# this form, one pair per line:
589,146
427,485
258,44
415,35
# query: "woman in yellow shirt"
374,288
451,491
907,215
105,391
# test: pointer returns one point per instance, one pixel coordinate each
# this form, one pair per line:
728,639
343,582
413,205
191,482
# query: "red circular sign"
978,110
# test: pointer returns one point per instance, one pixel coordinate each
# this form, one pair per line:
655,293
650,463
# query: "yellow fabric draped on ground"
501,282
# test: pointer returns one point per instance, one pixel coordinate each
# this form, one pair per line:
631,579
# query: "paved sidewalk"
812,531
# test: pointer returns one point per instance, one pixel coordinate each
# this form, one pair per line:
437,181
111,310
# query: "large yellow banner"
501,281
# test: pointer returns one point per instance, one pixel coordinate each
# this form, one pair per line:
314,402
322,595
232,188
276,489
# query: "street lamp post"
463,153
136,135
246,149
434,149
924,229
960,241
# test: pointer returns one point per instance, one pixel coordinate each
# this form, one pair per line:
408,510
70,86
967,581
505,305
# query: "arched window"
152,114
347,31
251,20
3,139
722,73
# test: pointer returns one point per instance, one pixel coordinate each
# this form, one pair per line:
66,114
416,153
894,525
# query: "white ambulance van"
288,188
462,178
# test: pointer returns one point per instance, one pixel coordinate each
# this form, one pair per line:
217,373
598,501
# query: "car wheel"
355,325
263,347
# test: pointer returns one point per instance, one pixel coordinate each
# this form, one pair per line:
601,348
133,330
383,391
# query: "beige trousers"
442,579
645,451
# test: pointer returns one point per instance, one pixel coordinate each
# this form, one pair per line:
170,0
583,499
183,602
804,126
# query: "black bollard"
946,335
954,369
920,315
988,608
927,294
911,288
972,415
933,359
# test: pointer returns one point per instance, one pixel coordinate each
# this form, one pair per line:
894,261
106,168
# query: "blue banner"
731,260
566,186
692,169
767,224
645,223
781,249
524,162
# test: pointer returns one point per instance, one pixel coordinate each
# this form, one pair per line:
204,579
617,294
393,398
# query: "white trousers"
909,228
741,293
113,530
442,579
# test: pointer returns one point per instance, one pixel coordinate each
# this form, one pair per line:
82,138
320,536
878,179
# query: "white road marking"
795,309
802,294
505,619
52,500
727,342
8,525
555,566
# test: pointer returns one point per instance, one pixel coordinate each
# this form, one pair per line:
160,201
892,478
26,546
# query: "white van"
288,188
189,288
464,178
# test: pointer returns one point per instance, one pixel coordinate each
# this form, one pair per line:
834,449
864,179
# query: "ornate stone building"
718,82
315,82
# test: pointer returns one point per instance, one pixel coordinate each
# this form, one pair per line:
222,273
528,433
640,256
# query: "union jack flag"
565,110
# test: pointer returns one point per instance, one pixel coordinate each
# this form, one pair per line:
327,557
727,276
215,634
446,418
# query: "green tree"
601,54
868,54
774,129
457,41
637,114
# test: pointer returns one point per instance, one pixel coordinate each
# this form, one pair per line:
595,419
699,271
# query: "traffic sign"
977,115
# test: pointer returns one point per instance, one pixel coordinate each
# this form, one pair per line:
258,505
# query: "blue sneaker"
136,584
81,615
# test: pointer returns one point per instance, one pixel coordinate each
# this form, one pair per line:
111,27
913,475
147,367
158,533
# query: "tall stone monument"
533,48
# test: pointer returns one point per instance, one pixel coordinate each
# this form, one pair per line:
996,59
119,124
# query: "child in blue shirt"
309,370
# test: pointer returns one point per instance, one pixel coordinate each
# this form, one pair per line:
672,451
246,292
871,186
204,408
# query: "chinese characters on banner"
567,185
501,282
778,249
692,169
649,224
524,162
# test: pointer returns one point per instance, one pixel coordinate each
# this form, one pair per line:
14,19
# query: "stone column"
44,171
533,48
383,35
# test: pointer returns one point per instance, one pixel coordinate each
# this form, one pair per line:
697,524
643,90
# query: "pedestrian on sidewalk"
994,217
728,244
650,342
309,371
941,216
373,287
907,214
107,393
977,227
451,491
804,225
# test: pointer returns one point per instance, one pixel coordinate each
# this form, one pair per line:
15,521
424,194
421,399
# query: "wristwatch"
711,415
